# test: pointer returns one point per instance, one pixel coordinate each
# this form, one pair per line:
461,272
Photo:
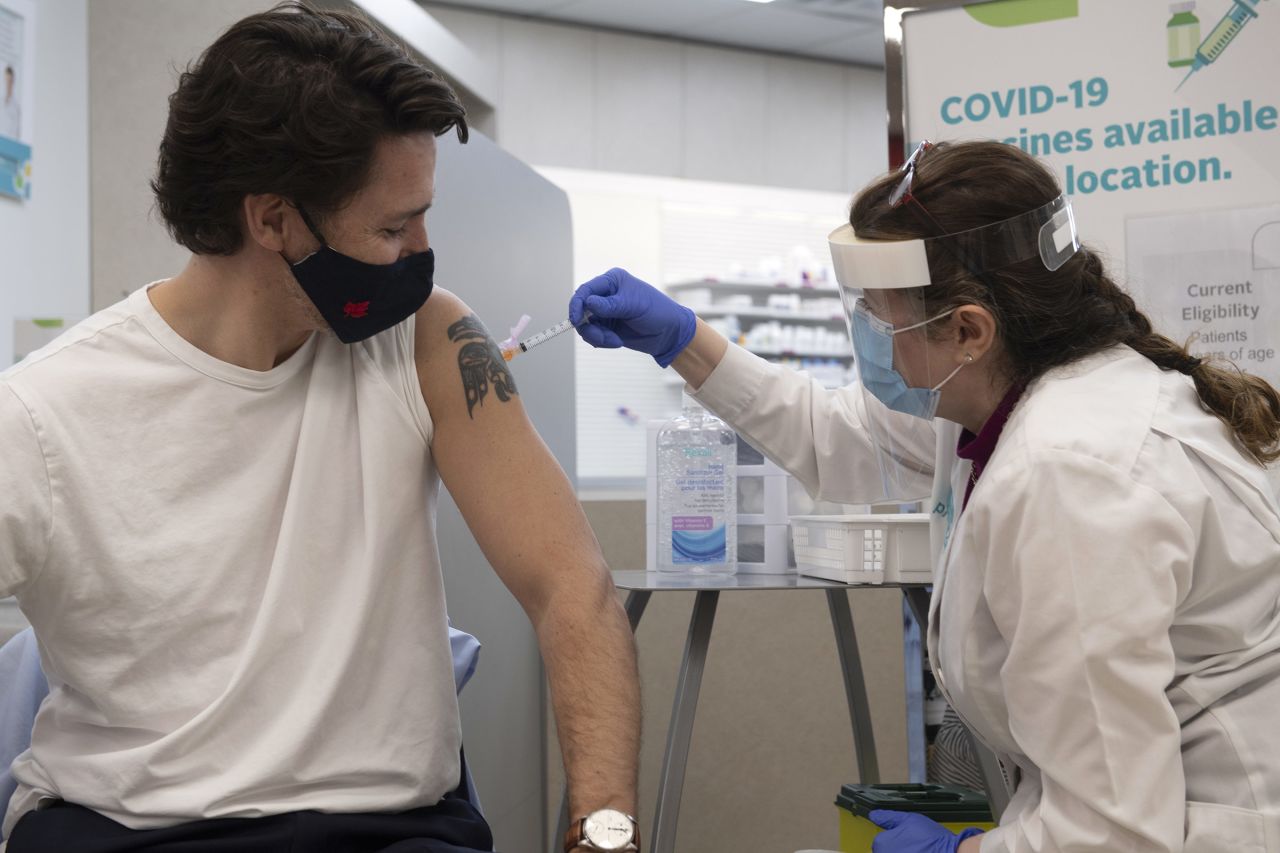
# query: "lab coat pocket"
1224,829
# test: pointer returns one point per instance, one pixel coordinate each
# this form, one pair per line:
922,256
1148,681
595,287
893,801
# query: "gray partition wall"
503,244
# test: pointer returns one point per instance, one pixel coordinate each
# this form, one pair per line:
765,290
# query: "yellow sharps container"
954,808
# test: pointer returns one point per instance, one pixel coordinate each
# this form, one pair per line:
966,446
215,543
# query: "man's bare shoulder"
433,320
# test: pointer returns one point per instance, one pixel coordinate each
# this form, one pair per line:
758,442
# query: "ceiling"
849,31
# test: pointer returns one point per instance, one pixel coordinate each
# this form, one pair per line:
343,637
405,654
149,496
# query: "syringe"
1241,13
514,348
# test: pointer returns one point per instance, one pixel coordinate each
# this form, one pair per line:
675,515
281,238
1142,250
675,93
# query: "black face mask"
357,299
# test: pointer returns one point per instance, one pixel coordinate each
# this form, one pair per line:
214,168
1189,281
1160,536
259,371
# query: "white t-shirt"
233,576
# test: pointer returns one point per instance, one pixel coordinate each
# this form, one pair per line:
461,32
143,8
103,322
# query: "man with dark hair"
220,494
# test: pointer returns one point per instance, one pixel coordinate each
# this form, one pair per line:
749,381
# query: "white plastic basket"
869,549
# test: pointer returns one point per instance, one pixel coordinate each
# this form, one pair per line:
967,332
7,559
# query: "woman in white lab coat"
1106,608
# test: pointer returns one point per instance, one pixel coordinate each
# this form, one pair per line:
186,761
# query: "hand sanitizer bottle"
697,494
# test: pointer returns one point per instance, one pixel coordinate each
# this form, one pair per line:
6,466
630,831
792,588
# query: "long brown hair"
1045,318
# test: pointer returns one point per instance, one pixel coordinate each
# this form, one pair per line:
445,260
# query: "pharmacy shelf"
766,314
753,286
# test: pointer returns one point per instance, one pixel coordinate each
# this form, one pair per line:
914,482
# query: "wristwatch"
605,830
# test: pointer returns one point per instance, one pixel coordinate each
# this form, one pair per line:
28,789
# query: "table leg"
680,732
637,600
918,599
855,688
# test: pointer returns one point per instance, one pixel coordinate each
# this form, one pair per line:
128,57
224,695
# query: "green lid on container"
942,803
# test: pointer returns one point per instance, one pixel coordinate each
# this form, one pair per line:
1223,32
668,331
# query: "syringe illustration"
1241,13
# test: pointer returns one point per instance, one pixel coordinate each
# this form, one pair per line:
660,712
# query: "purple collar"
978,448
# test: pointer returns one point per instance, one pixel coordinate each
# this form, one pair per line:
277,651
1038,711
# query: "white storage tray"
863,548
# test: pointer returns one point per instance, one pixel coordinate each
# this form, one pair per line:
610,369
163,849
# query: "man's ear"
270,221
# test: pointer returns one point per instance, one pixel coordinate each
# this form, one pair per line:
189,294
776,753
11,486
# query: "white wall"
595,99
136,51
44,242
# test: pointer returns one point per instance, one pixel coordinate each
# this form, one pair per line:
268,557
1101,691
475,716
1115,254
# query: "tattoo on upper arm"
481,363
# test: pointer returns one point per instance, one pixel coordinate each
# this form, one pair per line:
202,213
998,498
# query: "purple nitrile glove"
626,312
906,832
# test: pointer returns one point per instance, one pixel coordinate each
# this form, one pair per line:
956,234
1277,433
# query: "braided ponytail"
1163,351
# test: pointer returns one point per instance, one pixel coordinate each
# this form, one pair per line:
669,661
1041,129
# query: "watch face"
607,829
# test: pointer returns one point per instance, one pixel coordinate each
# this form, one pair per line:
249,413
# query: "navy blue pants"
451,826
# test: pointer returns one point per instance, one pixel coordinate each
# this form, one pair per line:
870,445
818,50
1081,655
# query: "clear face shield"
900,373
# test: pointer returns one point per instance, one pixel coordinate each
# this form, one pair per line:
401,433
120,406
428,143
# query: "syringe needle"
514,348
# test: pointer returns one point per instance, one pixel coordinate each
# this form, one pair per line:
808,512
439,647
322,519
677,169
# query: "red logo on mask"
356,310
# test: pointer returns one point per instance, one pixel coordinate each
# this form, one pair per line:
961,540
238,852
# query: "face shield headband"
1048,232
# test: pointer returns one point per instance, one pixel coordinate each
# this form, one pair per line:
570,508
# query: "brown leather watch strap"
574,837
